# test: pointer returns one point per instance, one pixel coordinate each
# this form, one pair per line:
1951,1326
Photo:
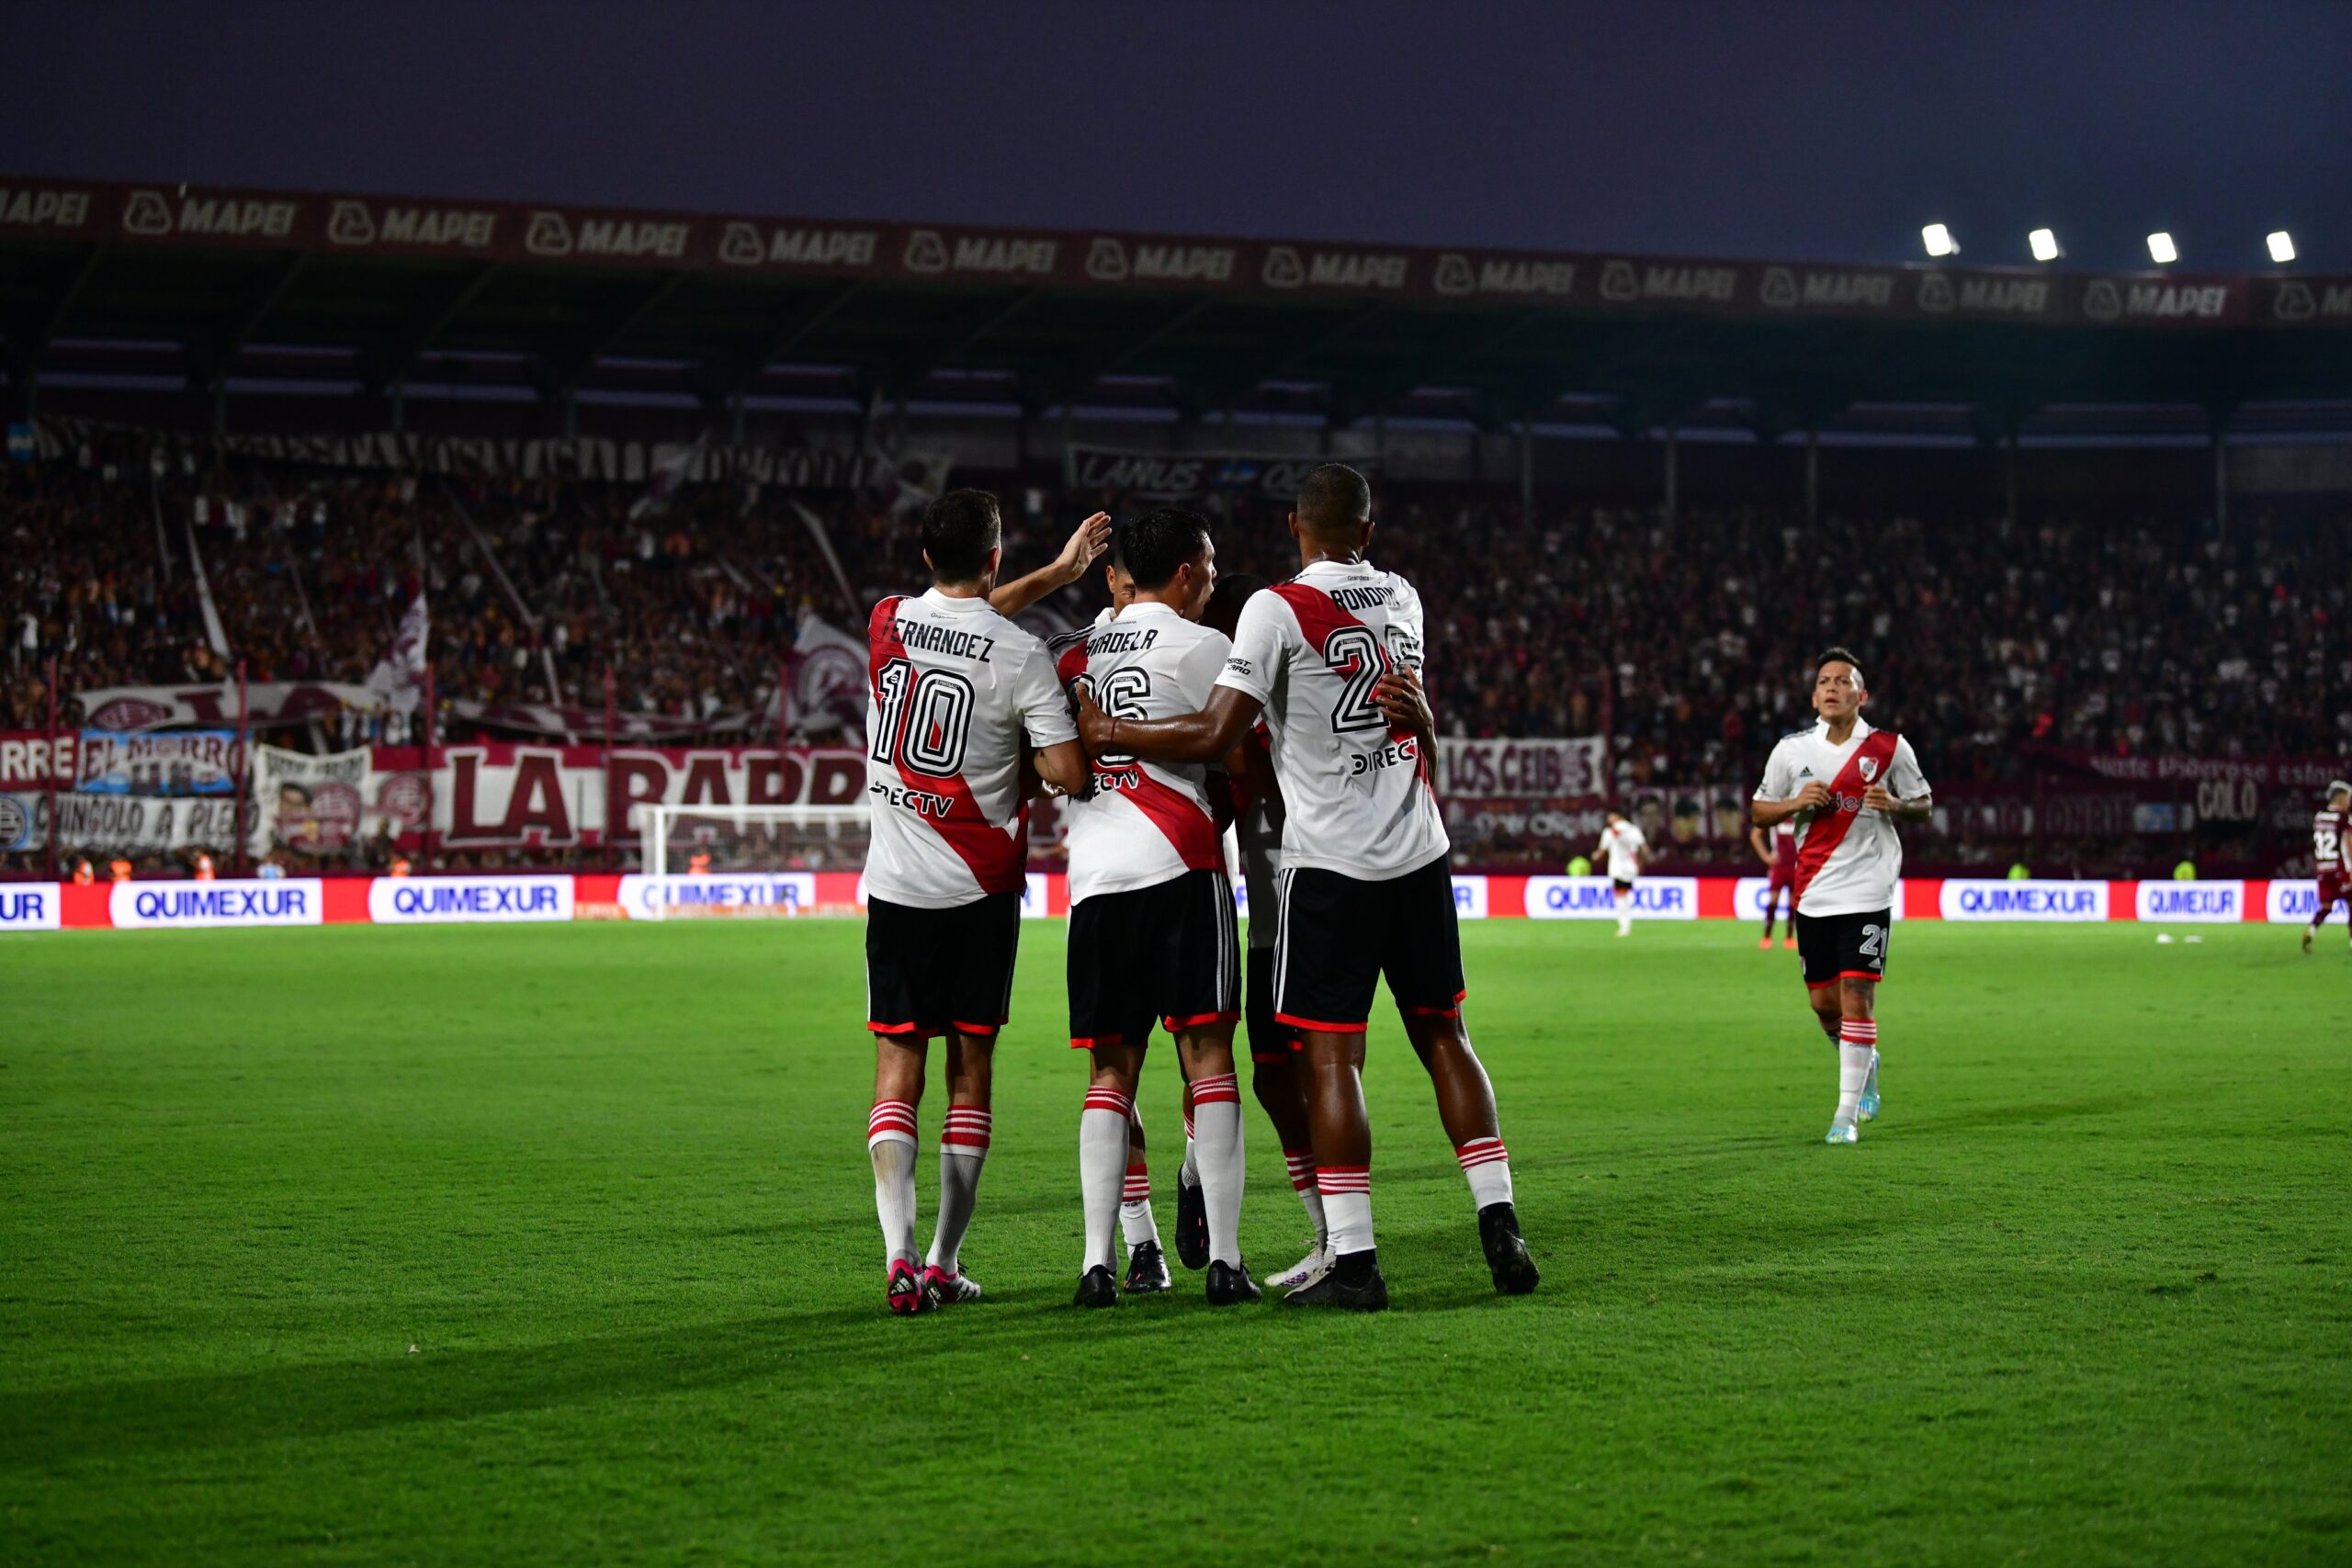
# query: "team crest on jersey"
1869,769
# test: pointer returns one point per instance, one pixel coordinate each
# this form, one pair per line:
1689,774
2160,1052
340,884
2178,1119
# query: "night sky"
1804,129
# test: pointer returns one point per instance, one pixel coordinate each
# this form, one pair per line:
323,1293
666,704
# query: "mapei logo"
548,235
1283,268
147,213
926,251
1453,274
1106,260
1779,289
2101,302
2294,302
739,245
1620,285
1935,293
350,223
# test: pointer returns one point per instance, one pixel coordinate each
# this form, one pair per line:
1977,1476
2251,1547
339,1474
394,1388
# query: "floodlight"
2161,250
2282,247
2044,242
1939,240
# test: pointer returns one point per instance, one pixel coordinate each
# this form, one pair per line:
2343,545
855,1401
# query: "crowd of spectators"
1692,639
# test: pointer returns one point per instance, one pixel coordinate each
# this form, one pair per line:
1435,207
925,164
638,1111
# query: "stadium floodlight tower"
2043,244
2161,250
2281,245
1938,238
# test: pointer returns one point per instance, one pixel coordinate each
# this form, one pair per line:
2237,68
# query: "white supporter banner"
189,906
1748,898
2293,902
146,824
430,900
2187,902
722,893
1524,770
1970,899
309,805
1593,898
30,906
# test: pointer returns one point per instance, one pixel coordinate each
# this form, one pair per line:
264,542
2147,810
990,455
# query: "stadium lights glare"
2282,247
2162,250
1939,240
2044,242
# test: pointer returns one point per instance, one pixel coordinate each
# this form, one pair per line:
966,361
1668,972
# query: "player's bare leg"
1341,1134
1104,1125
890,1145
1213,1096
1278,1077
1465,1103
1857,1056
963,1150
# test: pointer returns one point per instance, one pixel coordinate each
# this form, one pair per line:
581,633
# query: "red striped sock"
1301,1170
1139,1185
967,1128
1330,1178
1486,1164
890,1118
1225,1087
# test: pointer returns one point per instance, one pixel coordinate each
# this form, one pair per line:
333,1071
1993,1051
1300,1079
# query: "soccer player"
1845,786
1623,845
1331,658
1780,858
1151,925
2331,857
1277,1068
954,687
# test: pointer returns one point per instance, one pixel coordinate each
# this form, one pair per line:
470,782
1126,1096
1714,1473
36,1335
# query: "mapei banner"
433,900
1594,899
189,906
2023,900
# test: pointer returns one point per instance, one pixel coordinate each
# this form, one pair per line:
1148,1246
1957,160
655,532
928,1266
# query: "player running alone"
2332,858
1151,925
1277,1066
953,689
1623,845
1778,851
1845,786
1330,657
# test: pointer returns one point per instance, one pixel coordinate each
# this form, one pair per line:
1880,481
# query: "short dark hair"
1333,498
1153,546
1841,655
1232,591
959,529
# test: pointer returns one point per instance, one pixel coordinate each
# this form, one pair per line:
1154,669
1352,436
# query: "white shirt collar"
953,604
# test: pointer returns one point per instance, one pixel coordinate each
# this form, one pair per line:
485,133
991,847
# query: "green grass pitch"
557,1245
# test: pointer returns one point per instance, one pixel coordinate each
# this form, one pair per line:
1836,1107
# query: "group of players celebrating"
1293,712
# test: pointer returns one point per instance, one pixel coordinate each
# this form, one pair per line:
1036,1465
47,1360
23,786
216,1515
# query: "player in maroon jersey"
2331,856
1780,858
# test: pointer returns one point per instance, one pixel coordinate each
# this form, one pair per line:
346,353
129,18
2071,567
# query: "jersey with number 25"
1312,649
952,687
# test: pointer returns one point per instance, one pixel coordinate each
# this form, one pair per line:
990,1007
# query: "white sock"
1302,1180
891,1145
1857,1043
1216,1118
1347,1199
1136,1222
1102,1160
1486,1164
963,1149
1188,1173
1625,911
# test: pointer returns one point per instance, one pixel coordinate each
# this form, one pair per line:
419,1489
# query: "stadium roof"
206,285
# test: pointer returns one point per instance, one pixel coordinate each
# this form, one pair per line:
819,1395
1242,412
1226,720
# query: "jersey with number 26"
952,686
1311,649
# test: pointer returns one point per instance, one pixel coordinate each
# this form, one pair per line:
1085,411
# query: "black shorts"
1269,1040
1167,952
1843,947
928,971
1340,934
1622,884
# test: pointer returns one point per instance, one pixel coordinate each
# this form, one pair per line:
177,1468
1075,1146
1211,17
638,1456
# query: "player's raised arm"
1089,539
1208,735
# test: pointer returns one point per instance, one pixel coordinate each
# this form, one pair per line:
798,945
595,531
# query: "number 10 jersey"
952,686
1356,792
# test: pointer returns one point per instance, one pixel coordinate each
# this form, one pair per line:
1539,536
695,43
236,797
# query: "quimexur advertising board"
1748,898
30,907
2295,903
188,906
2199,903
1593,898
440,900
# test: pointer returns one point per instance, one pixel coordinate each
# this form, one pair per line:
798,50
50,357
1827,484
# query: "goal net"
704,861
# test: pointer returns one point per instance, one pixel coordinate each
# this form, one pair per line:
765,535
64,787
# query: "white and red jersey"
1623,844
952,686
2331,852
1849,857
1356,795
1144,823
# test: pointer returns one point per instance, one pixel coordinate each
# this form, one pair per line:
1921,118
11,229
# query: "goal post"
702,861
